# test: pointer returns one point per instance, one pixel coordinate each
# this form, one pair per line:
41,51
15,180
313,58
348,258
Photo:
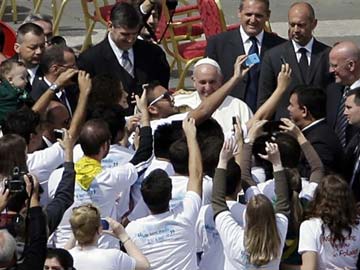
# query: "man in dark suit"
29,47
352,151
345,65
54,61
227,46
307,57
123,55
307,109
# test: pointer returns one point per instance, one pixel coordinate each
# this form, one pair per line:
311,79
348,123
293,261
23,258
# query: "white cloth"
232,237
168,239
179,190
103,192
355,84
329,257
175,117
268,189
223,115
42,163
105,259
247,42
208,239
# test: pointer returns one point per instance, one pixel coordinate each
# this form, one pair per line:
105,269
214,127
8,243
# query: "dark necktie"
63,98
253,79
303,63
28,86
126,63
341,121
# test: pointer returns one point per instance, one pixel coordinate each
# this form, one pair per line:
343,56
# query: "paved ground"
338,20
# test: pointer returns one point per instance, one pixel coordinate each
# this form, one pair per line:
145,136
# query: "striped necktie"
341,121
126,63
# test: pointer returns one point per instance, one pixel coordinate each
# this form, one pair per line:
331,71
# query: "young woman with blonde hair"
86,226
259,243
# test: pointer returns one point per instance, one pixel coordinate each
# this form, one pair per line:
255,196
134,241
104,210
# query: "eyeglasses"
166,95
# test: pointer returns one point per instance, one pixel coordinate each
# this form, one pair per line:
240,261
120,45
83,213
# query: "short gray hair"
7,247
34,17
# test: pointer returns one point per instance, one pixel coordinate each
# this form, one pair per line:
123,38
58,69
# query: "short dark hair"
356,93
289,150
52,55
63,256
93,135
150,87
23,122
164,136
156,191
28,28
233,177
179,156
114,116
313,98
125,15
266,2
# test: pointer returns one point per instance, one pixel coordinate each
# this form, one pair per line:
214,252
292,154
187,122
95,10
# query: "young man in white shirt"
167,238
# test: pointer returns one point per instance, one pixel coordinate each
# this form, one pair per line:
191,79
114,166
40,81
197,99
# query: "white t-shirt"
175,117
103,192
42,163
105,259
208,239
232,237
168,239
329,257
230,107
179,187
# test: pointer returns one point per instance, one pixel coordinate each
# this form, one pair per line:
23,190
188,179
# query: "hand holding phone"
105,224
252,59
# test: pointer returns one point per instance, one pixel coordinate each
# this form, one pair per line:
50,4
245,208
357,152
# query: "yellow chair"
13,9
98,14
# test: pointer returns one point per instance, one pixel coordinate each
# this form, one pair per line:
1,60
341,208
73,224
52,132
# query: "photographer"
34,254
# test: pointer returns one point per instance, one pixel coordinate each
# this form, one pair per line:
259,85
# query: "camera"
15,183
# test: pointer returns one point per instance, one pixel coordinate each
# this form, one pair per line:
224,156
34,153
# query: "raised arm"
316,166
267,110
211,103
78,119
42,103
219,184
131,249
64,195
144,151
282,204
245,161
195,162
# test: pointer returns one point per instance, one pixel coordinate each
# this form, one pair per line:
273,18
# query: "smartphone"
252,59
282,60
105,224
59,134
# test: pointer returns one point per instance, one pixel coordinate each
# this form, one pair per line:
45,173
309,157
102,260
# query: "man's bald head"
344,61
207,77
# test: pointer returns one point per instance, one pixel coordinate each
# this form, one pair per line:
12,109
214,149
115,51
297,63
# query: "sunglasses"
166,95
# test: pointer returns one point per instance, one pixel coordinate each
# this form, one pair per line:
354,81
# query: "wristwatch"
54,87
247,140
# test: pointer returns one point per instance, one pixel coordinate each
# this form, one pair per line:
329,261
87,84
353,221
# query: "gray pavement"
337,20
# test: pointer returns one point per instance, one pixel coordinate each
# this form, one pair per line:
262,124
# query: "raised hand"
256,130
229,150
189,127
290,128
272,154
84,81
239,69
284,77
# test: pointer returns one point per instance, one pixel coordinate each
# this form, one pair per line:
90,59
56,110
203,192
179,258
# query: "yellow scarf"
86,170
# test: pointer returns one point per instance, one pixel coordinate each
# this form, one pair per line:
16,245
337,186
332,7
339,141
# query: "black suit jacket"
334,94
328,147
150,64
40,86
227,46
352,152
318,74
